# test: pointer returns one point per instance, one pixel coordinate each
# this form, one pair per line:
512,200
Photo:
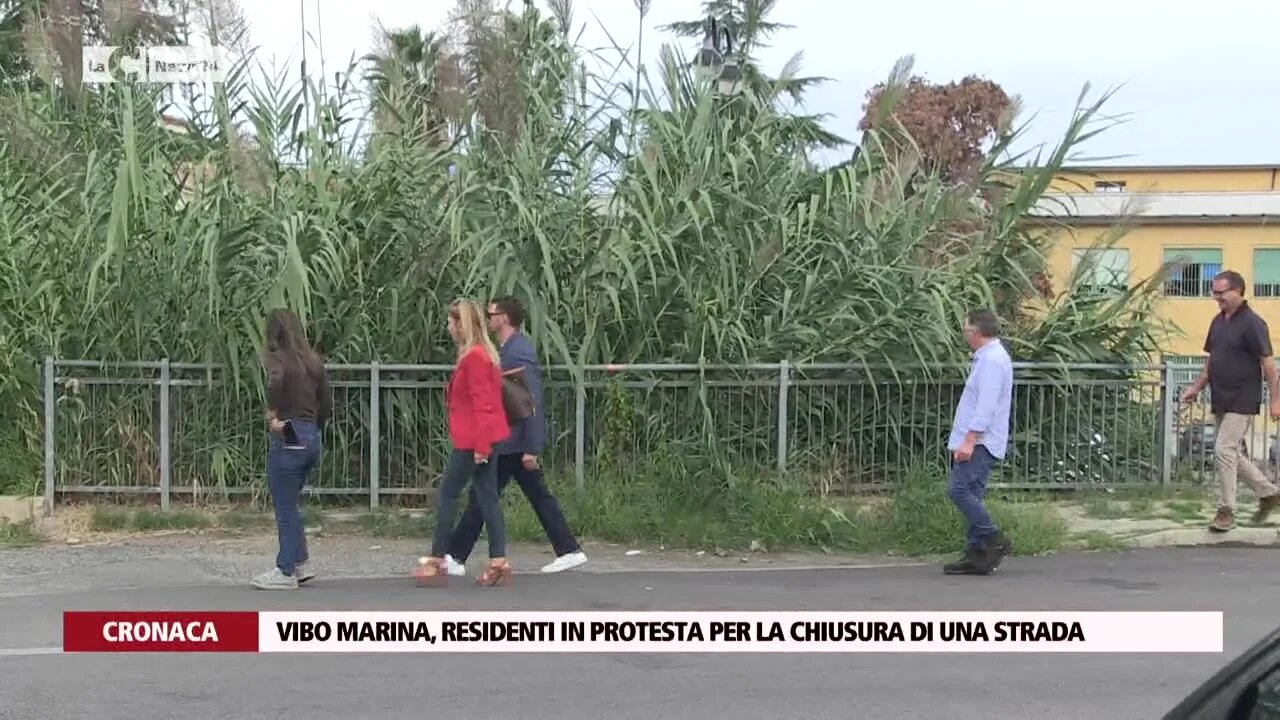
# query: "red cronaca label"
160,631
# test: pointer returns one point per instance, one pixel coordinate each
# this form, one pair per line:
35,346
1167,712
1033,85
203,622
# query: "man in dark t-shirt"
1240,355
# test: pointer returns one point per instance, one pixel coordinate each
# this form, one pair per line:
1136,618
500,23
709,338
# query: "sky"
1195,82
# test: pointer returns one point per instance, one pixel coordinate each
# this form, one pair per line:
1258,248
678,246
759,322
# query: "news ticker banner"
642,632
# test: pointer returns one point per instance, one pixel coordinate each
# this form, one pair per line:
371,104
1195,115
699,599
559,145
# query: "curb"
1198,537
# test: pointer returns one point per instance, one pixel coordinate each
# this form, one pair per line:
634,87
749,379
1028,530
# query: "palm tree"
416,86
476,82
748,26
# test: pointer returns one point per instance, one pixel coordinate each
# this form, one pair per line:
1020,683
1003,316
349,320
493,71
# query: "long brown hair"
286,345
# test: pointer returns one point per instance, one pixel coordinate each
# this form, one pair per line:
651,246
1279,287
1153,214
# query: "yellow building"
1201,219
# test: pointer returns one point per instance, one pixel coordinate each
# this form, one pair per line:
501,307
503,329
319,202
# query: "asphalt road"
1242,582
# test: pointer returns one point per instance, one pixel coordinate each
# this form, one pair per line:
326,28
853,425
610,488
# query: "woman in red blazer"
477,421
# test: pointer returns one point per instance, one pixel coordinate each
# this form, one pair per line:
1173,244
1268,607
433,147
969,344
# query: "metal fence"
196,431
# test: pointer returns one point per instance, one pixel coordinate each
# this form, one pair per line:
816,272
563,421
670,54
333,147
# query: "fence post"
375,435
166,480
580,428
49,406
1169,443
784,388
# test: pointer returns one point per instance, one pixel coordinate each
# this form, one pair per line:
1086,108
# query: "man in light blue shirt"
980,437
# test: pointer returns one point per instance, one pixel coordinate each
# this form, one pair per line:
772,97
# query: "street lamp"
717,61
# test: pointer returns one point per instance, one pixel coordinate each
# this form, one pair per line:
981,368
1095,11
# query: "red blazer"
477,420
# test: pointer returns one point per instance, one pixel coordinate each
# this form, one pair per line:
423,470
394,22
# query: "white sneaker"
455,568
568,561
273,579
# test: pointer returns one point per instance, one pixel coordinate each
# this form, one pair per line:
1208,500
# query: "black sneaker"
998,548
968,564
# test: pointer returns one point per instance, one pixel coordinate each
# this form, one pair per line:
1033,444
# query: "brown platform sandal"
497,572
431,572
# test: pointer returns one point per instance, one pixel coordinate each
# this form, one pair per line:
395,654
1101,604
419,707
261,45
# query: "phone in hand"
290,435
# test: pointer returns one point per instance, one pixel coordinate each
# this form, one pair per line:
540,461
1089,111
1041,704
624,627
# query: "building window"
1102,269
1109,186
1191,271
1266,272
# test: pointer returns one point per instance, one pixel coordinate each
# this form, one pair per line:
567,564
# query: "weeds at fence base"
19,535
712,510
116,519
696,507
920,520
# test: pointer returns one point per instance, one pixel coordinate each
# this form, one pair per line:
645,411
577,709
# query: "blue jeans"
966,488
484,480
287,471
540,497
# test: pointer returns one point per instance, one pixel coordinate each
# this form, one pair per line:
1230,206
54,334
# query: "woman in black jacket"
298,405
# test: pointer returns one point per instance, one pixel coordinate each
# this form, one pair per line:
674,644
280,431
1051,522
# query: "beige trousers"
1231,462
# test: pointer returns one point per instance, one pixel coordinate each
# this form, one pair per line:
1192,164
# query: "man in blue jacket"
517,456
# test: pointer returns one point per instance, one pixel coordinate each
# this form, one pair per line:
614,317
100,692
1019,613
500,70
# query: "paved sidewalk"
186,557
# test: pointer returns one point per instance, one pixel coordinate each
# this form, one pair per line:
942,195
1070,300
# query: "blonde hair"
471,326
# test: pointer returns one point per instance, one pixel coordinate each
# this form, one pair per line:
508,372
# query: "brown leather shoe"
497,572
1265,506
1223,521
431,572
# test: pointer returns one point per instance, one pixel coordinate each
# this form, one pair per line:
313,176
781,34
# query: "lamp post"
717,61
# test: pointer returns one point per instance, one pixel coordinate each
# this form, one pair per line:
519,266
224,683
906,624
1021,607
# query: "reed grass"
670,225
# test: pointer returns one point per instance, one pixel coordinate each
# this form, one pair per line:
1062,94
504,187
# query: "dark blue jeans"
539,496
966,488
462,467
287,472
